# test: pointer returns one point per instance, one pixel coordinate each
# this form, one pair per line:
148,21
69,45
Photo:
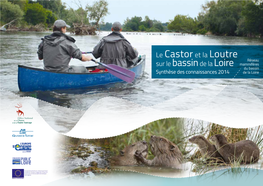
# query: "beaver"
126,156
245,151
206,148
166,153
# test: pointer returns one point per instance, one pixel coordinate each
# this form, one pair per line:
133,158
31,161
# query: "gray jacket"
115,49
56,50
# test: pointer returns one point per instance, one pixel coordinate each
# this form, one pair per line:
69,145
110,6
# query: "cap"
60,23
116,26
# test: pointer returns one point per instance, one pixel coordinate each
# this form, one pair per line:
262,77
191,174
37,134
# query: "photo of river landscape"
20,48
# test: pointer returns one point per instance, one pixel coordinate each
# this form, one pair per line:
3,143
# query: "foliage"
20,3
148,25
158,26
97,11
106,27
79,16
183,23
171,128
51,18
9,12
55,6
253,19
35,13
225,17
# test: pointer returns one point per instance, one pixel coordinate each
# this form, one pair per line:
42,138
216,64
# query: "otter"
126,156
245,151
166,153
206,148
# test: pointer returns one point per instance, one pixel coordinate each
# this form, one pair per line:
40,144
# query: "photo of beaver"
166,153
127,155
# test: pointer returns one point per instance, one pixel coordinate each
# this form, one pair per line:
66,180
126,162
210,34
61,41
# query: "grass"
171,128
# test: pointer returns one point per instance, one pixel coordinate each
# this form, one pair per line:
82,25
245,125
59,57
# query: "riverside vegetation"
218,17
39,14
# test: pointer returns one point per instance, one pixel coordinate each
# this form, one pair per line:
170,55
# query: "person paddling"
57,49
115,49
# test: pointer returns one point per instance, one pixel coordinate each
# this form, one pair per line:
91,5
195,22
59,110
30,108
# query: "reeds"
171,128
232,134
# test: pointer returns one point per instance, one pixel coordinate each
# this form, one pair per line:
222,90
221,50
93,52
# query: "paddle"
122,73
119,72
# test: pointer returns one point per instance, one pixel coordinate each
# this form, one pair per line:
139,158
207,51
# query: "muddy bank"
83,158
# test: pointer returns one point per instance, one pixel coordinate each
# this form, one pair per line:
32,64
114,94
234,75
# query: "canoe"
34,79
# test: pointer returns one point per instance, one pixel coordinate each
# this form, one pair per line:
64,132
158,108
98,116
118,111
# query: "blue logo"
16,161
17,173
24,147
22,133
22,161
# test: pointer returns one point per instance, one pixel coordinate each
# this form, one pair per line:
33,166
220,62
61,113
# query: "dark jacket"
115,49
56,50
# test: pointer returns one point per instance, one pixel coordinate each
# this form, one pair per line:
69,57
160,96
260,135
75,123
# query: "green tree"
56,6
158,26
106,27
252,22
182,23
222,17
20,3
132,24
136,24
148,23
97,11
9,12
51,18
142,28
35,14
77,16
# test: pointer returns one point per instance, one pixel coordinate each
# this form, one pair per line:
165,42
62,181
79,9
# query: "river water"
19,48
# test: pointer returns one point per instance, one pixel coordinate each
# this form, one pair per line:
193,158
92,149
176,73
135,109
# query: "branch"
9,23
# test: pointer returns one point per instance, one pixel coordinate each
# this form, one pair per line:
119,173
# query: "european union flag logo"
18,173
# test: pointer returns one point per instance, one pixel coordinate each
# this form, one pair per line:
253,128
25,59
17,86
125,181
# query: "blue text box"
192,61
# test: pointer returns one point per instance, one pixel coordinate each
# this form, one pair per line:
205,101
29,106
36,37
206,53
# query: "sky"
161,10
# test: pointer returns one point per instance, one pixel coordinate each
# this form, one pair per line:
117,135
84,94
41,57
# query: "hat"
116,26
60,23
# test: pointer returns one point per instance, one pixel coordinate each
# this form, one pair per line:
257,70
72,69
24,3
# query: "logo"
22,133
18,173
19,112
21,161
24,147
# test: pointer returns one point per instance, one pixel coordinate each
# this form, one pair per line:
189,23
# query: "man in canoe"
115,49
57,50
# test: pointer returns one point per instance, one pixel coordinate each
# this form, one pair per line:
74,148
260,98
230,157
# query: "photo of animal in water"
173,147
176,147
156,148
